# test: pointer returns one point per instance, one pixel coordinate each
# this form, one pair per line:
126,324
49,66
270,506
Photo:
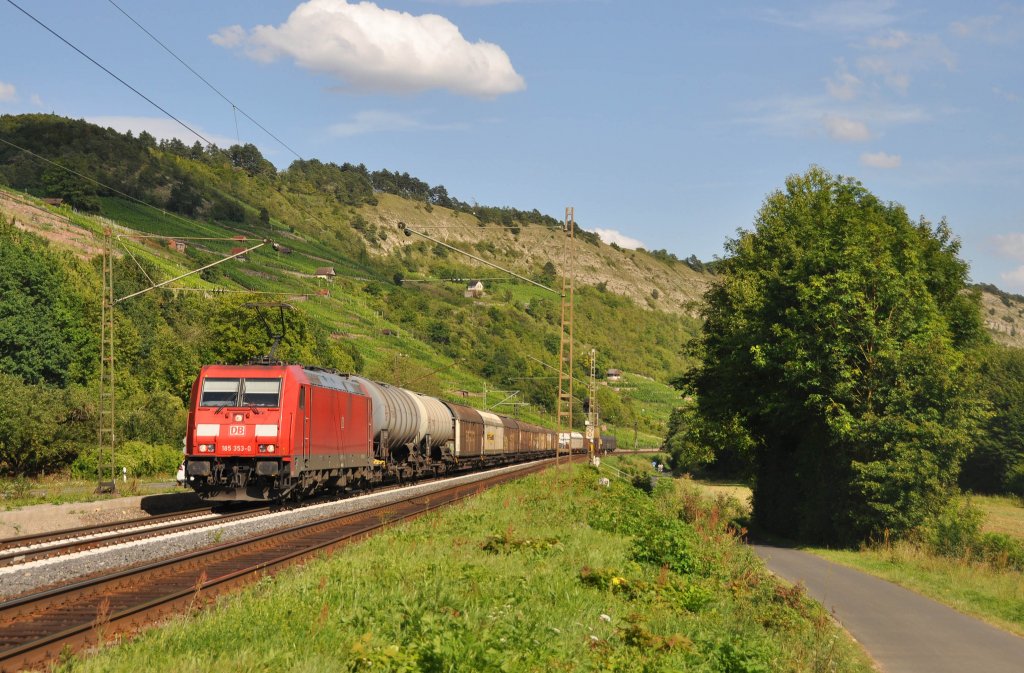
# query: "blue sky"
664,124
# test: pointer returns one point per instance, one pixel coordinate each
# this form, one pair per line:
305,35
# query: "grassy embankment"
553,573
995,594
59,490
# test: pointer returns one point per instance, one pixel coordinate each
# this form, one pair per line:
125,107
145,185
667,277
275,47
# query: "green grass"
995,595
1003,514
22,492
541,575
989,591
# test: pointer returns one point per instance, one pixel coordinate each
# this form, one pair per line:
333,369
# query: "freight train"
271,431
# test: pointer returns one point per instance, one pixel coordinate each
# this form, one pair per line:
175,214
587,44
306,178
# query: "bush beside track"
550,573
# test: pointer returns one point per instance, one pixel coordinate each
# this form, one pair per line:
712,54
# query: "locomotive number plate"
236,448
236,430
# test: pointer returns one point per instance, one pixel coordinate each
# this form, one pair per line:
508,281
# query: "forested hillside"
372,317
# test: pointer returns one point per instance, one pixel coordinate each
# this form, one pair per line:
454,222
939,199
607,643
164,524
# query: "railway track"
26,548
38,546
38,628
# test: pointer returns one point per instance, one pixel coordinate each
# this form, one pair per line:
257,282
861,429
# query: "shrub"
669,543
956,533
956,530
1001,550
141,459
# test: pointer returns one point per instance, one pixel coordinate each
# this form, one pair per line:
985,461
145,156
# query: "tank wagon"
276,431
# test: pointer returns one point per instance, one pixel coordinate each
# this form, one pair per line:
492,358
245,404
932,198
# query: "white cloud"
1009,245
1006,27
844,86
805,115
892,39
7,93
374,49
895,56
1006,95
612,236
845,129
480,3
887,70
377,121
1014,279
160,128
36,100
841,17
229,36
881,160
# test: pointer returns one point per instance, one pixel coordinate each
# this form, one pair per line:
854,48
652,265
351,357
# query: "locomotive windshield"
240,393
219,393
261,392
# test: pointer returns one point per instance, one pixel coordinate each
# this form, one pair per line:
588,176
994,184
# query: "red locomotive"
274,431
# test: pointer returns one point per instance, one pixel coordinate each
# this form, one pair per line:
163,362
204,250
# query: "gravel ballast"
28,577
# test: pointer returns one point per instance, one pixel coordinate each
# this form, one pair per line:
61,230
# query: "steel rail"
114,534
65,533
39,628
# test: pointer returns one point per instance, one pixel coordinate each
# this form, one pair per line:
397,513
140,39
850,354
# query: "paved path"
902,631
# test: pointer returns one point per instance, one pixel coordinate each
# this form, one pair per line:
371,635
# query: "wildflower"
605,618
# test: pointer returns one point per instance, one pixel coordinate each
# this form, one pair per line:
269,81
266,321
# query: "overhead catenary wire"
108,71
219,290
235,109
298,205
454,280
100,184
190,273
409,232
234,106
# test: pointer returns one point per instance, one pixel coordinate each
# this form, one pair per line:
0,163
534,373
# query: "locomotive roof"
317,377
326,379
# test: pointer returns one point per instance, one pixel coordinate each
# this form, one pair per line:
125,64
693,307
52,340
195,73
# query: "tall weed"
956,533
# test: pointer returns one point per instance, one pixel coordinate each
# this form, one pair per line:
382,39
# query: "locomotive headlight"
270,448
267,448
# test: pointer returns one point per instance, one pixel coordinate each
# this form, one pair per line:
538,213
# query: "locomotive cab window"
219,392
261,392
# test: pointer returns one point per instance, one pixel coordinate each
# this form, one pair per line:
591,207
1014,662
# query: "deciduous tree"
837,337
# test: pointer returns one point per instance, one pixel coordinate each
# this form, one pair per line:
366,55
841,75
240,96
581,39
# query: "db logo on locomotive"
236,430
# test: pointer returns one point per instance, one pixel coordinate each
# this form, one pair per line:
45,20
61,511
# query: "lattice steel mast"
106,400
107,392
565,348
593,417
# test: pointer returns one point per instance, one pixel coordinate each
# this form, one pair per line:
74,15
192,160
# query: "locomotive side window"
261,392
219,392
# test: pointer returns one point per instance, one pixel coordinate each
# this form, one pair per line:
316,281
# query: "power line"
409,232
296,204
107,70
96,182
234,107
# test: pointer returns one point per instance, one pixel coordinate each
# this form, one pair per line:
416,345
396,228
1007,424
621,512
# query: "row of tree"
145,168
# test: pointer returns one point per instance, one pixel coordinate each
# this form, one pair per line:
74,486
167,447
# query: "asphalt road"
902,631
